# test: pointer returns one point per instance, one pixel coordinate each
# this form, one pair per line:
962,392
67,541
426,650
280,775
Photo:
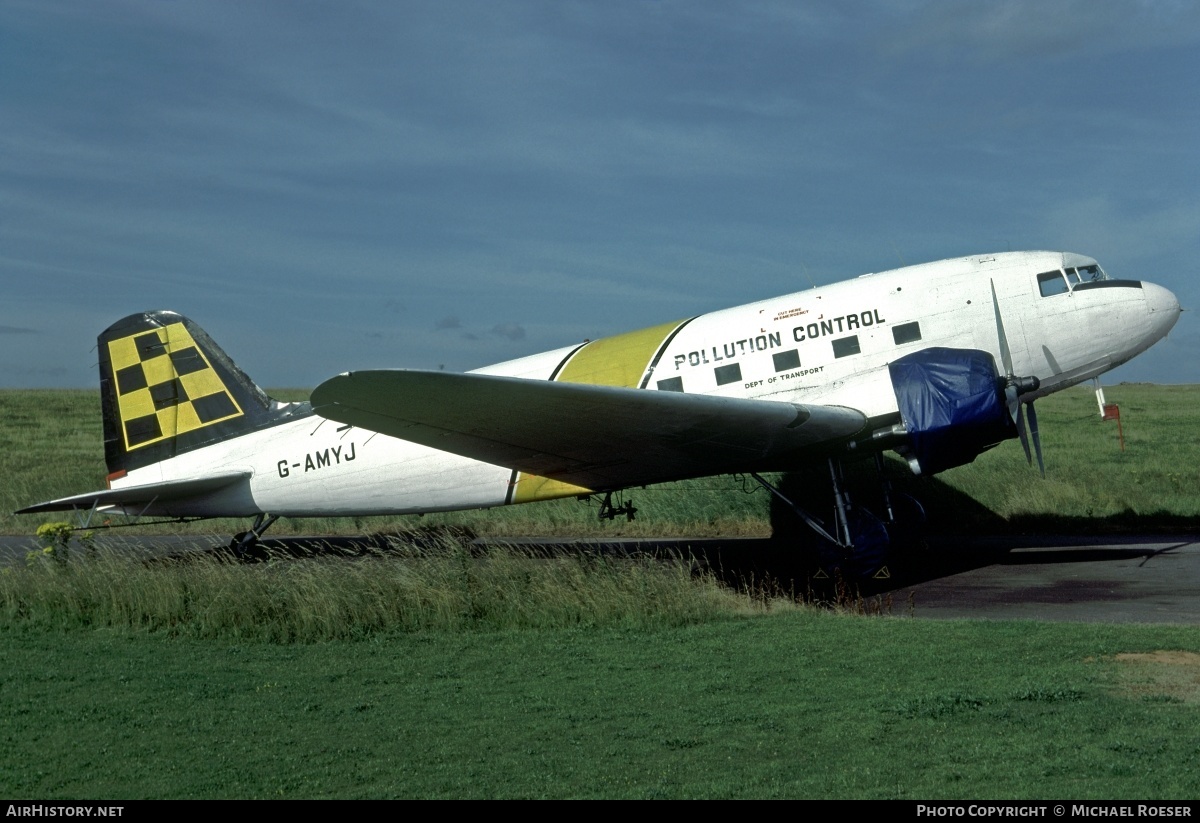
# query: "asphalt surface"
1130,579
1142,579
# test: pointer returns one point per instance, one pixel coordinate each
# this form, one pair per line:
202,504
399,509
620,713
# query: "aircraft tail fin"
167,388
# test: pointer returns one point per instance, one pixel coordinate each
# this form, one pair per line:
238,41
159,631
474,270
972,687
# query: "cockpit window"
1051,283
1085,274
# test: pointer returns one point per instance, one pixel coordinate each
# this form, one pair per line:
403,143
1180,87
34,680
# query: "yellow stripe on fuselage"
621,360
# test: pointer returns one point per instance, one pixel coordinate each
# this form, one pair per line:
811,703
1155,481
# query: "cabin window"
731,373
728,374
785,360
846,346
1051,283
671,384
906,333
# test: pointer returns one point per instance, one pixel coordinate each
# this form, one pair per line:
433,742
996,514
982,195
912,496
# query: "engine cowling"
953,405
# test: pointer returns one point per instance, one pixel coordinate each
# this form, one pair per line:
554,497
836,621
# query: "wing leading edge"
598,437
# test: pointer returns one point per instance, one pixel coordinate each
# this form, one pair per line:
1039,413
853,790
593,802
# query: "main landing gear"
858,544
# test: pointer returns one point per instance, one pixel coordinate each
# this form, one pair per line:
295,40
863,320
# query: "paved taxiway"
1128,579
1143,579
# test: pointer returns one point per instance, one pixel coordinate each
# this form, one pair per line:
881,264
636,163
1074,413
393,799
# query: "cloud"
632,166
509,331
1024,29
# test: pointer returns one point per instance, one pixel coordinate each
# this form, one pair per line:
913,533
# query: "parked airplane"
903,360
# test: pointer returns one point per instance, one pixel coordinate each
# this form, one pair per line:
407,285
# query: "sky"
334,186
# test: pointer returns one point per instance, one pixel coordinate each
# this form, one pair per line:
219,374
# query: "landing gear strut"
859,544
608,511
242,542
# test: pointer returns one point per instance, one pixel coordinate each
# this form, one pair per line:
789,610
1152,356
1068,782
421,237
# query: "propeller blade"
1012,399
1023,434
1005,354
1037,440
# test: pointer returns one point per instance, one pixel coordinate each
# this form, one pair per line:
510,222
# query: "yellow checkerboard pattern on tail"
166,386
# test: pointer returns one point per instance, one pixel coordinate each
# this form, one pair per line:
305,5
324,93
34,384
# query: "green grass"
321,598
801,705
1088,476
50,446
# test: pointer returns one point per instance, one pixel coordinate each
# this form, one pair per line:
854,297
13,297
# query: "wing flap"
129,496
592,436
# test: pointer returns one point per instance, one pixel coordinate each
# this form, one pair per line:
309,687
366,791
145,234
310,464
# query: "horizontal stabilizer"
141,496
597,437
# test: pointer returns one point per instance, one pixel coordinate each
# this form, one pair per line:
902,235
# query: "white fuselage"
825,346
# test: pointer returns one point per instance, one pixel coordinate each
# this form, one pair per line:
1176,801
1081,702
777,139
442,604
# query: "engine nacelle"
953,405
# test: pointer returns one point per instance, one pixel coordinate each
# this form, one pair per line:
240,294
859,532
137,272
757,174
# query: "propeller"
1014,387
1037,440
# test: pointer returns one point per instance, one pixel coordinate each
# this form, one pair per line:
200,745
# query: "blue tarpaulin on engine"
952,403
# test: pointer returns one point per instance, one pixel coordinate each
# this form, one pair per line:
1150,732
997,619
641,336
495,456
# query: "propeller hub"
1025,385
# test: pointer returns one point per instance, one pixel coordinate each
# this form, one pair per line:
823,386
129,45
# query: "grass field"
435,673
792,705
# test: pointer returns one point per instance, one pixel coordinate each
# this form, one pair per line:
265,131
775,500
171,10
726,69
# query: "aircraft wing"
598,437
140,496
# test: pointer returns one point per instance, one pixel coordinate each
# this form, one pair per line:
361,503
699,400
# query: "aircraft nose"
1163,306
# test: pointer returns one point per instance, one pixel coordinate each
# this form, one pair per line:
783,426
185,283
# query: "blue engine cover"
952,403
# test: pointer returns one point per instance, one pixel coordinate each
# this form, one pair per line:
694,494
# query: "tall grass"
326,597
